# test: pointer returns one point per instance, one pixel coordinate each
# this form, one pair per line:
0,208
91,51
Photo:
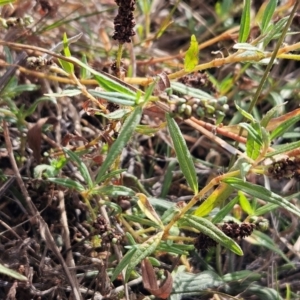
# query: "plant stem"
119,57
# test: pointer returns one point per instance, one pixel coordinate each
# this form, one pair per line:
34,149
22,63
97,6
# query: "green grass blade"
183,154
268,14
254,139
124,136
245,22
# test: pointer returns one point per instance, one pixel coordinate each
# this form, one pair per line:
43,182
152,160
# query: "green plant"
218,214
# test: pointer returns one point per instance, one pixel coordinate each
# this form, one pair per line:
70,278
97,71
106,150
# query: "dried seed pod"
234,230
285,168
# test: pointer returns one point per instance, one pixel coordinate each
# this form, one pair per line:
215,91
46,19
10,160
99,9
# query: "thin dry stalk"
34,213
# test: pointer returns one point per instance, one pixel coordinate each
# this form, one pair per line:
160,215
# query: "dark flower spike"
285,168
231,229
124,21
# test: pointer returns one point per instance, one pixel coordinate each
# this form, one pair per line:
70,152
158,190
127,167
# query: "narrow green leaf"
115,97
245,113
168,178
263,240
209,229
254,139
262,193
219,217
245,22
169,214
268,14
84,73
8,55
69,183
270,114
65,93
130,238
265,209
215,199
191,56
245,204
222,192
114,191
67,51
67,66
183,154
141,220
187,284
124,136
275,31
142,252
265,135
81,166
33,107
262,292
123,263
150,89
111,174
14,274
253,132
174,248
283,127
186,90
114,208
242,275
108,82
116,115
283,148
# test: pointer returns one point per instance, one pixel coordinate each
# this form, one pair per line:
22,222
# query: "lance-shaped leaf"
245,22
217,197
183,154
108,82
268,14
114,97
81,166
68,183
114,191
124,136
142,252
